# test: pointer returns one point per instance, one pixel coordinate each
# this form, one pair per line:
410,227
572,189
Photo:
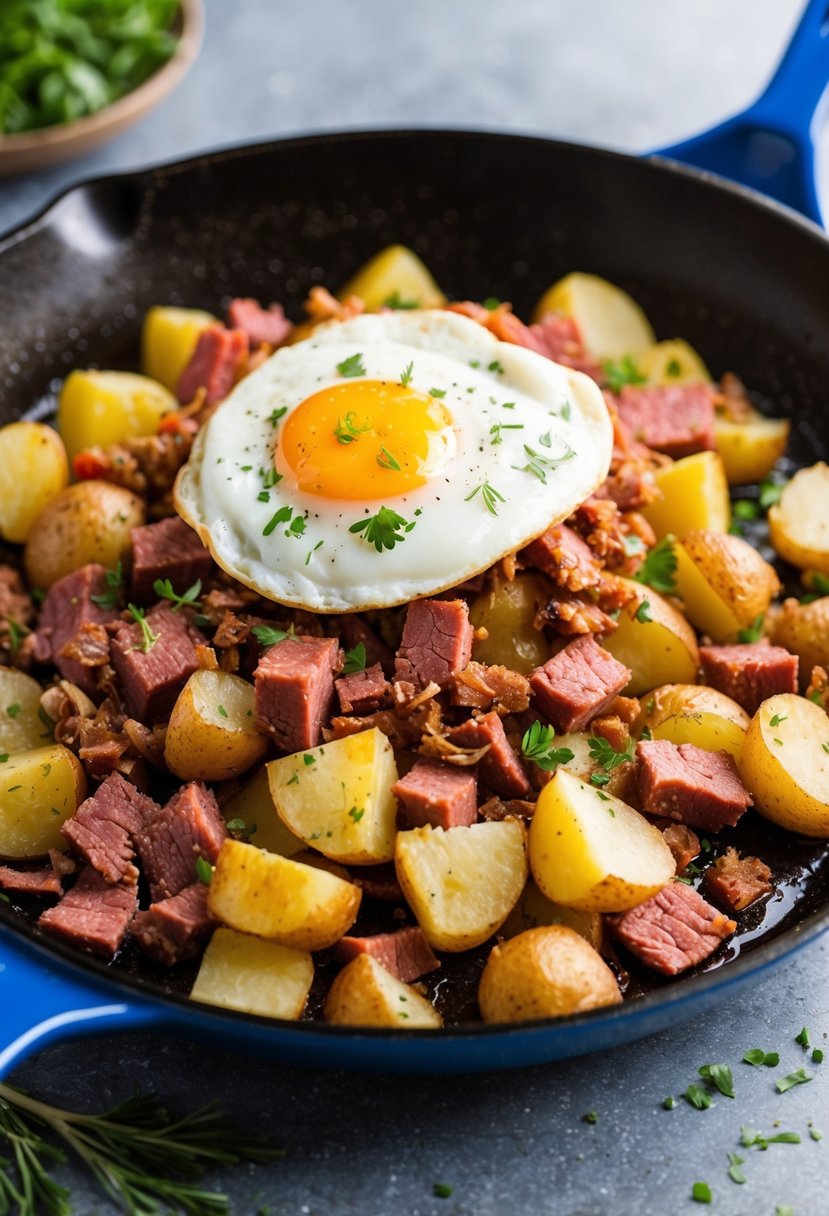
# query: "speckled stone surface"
633,76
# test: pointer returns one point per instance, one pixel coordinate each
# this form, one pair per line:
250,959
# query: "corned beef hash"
405,631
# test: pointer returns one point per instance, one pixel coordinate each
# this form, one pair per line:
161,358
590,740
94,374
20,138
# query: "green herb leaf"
590,1117
351,367
489,496
735,1172
540,465
820,585
757,1057
642,613
397,302
497,427
701,1192
669,1103
771,492
803,1037
537,746
165,591
148,637
659,567
605,753
798,1077
817,1056
697,1096
622,372
406,375
204,871
277,414
746,508
266,635
720,1076
754,631
355,659
356,813
110,598
383,530
387,461
442,1190
347,429
281,517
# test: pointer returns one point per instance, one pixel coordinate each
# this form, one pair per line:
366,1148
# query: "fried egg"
389,457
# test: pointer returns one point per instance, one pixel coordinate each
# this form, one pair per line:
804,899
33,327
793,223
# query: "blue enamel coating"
770,147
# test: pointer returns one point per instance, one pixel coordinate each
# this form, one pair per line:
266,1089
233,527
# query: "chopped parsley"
356,813
266,635
263,496
204,871
771,492
659,567
221,710
697,1096
642,613
540,465
355,660
751,1138
387,461
622,372
276,414
311,552
489,495
754,631
496,367
775,721
590,1117
17,632
673,368
669,1103
817,1055
746,509
270,478
396,301
537,746
281,516
308,759
437,392
406,375
735,1162
798,1077
114,580
820,585
351,367
442,1190
383,530
296,527
164,590
803,1039
148,637
347,430
606,755
497,427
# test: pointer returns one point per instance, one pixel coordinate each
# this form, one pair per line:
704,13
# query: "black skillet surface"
743,280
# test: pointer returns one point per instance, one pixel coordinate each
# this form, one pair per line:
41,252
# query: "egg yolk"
369,439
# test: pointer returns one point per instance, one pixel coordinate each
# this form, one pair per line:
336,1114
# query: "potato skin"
548,972
365,994
33,471
736,572
785,765
87,522
798,527
804,630
507,613
750,449
204,744
658,649
694,713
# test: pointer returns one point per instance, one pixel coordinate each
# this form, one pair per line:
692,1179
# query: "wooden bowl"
32,150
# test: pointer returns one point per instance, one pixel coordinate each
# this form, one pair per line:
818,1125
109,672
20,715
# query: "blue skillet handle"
771,145
43,1000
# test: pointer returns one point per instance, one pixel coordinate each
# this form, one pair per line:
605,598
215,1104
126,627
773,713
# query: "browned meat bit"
499,767
563,556
683,843
147,465
578,684
749,672
153,660
600,522
732,401
221,600
818,687
362,691
322,306
172,837
94,916
437,794
572,615
496,808
104,825
437,641
737,881
16,614
294,685
175,929
555,336
676,419
405,953
690,785
673,930
612,728
214,364
101,748
262,325
89,646
147,741
76,599
42,881
480,686
626,708
169,549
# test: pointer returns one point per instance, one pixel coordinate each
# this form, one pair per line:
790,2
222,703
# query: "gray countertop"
632,76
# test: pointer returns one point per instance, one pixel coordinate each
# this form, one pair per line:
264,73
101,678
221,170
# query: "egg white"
486,382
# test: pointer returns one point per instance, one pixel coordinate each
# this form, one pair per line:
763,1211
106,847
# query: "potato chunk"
87,522
285,901
671,362
611,322
254,976
462,883
365,994
212,734
33,471
507,612
799,523
394,277
804,630
785,764
723,582
39,791
654,640
96,409
21,727
749,450
694,494
337,798
168,339
253,805
534,909
695,713
548,972
592,851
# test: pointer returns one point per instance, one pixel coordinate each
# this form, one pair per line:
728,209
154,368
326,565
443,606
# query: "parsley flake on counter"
814,1133
659,568
751,1138
669,1103
165,591
803,1038
798,1077
352,366
355,660
489,495
719,1075
758,1058
382,530
387,461
442,1190
114,580
148,637
697,1096
701,1192
735,1163
590,1117
537,746
204,871
622,372
817,1056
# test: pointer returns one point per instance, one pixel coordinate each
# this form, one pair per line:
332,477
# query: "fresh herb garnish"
754,631
701,1192
266,635
437,392
204,871
698,1096
817,1055
775,721
148,637
489,495
497,427
540,465
758,1058
190,599
281,516
17,632
406,375
221,710
270,478
590,1117
659,567
347,430
620,373
442,1190
719,1075
276,414
114,580
355,659
669,1103
297,526
383,530
387,461
642,613
356,813
771,492
606,754
820,585
673,368
735,1172
13,710
396,301
751,1138
351,367
799,1077
537,746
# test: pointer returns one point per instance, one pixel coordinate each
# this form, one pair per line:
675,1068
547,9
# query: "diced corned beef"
673,930
62,864
749,672
500,768
437,794
362,691
104,826
15,602
480,686
294,685
175,929
174,836
354,631
437,640
683,843
676,419
67,606
560,339
42,881
168,549
260,324
152,679
214,363
561,554
377,882
737,881
94,916
578,684
405,953
690,785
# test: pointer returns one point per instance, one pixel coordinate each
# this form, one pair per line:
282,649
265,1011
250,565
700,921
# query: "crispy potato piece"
39,791
462,883
654,640
168,339
804,630
799,523
283,900
724,583
365,994
33,471
338,799
96,409
671,362
695,713
694,495
21,727
611,322
785,764
212,734
254,976
548,972
507,613
394,276
749,450
87,522
254,806
534,909
592,851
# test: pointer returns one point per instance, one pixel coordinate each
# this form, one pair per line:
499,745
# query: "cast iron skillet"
743,279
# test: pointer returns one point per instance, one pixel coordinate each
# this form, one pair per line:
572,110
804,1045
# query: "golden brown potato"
255,976
654,640
534,909
394,277
750,449
695,713
212,735
723,582
548,972
39,791
693,494
253,806
87,522
21,727
785,764
33,471
799,523
611,322
365,994
507,613
96,409
671,362
804,630
168,339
